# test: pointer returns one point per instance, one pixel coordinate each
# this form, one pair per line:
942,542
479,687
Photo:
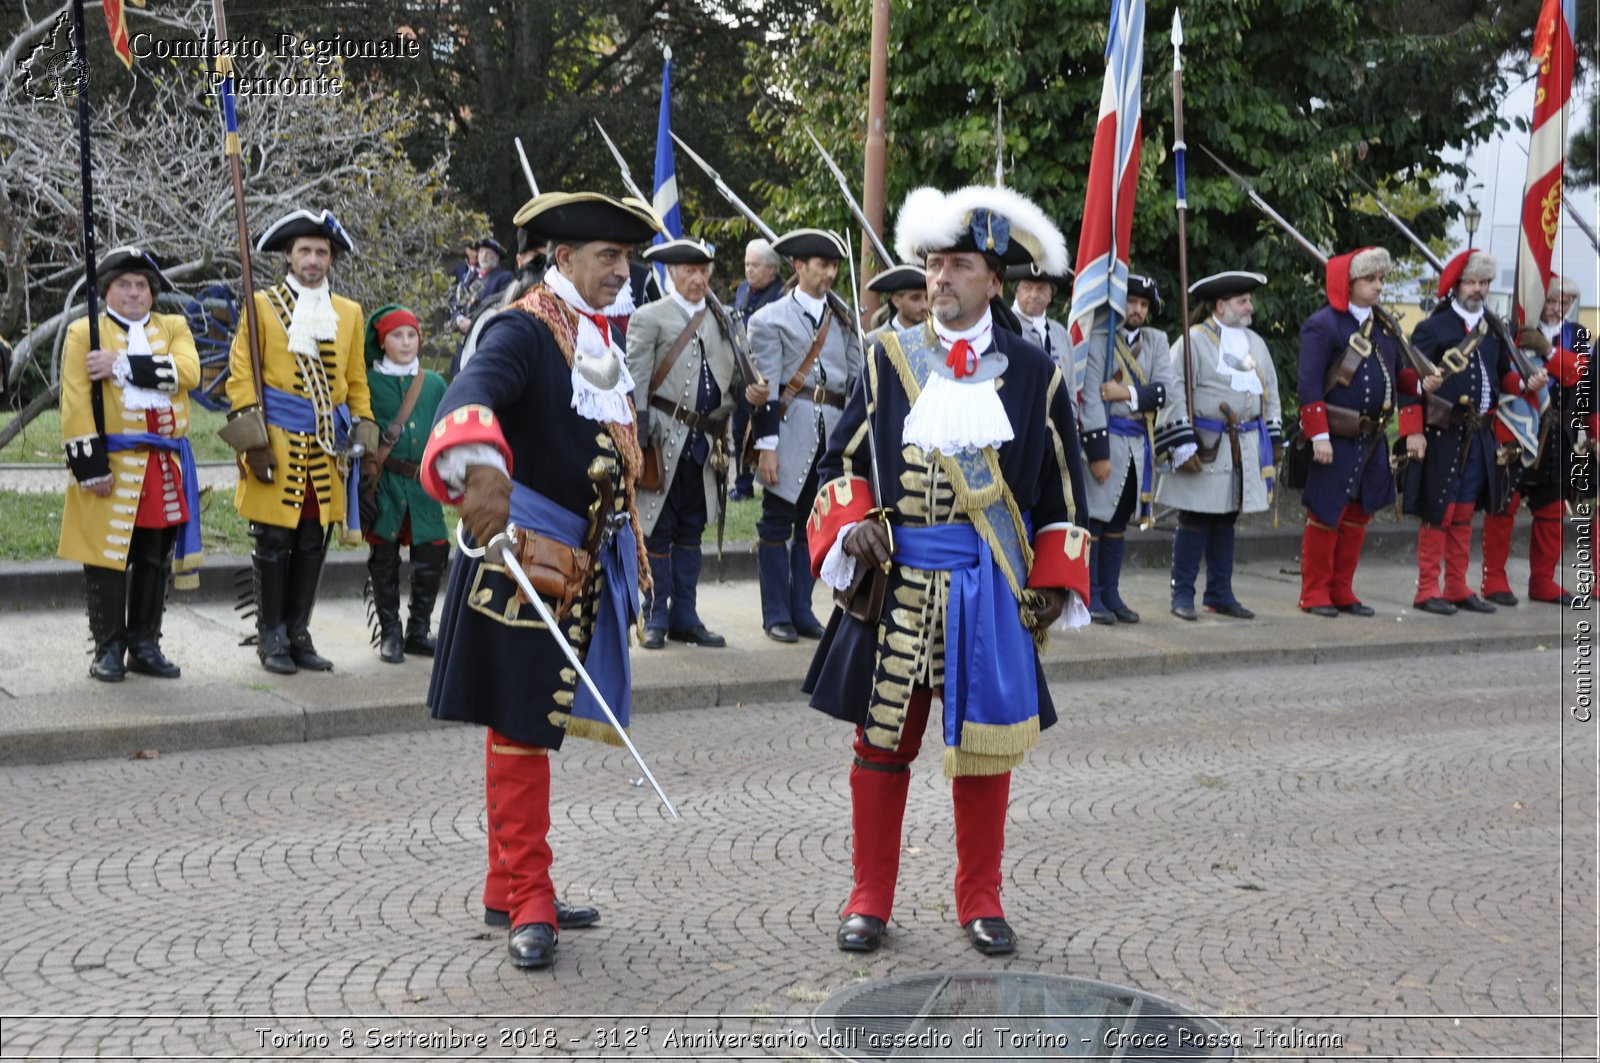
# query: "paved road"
1418,846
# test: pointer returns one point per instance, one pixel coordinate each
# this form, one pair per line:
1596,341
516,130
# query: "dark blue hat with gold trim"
580,216
130,260
1142,287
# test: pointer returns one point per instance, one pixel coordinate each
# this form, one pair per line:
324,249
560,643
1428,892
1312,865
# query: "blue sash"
1264,440
292,413
189,530
607,659
1128,428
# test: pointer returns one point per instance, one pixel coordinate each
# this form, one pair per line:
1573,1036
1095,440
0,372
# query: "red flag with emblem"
117,23
1553,51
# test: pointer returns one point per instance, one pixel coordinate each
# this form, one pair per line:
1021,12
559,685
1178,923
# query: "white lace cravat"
313,321
954,417
588,400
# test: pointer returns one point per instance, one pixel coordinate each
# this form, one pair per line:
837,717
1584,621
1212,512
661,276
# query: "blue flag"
665,196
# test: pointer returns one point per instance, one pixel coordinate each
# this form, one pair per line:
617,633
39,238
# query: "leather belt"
696,421
407,469
823,397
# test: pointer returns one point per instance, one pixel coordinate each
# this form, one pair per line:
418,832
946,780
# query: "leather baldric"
797,382
1348,364
397,427
677,348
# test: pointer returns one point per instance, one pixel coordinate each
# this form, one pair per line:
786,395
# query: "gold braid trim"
960,762
593,730
553,310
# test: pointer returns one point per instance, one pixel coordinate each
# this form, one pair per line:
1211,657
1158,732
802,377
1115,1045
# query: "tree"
1295,94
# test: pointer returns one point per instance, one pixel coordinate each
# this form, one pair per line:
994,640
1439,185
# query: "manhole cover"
986,1015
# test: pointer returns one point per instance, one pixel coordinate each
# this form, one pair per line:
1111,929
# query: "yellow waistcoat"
94,530
299,461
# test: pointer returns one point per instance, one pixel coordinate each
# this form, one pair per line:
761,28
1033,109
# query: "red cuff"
839,502
1314,419
469,424
1410,383
1511,383
1061,560
1567,367
1411,419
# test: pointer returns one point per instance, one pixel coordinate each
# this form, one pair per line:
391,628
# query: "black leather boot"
269,570
383,565
428,561
305,573
149,568
106,592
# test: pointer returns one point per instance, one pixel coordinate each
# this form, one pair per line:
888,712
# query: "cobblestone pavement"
1403,867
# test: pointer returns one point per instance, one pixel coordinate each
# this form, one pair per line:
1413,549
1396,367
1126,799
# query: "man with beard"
807,344
1455,469
975,448
303,481
1225,463
538,431
1133,389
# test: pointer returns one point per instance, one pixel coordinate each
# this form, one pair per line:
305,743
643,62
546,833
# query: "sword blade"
502,543
527,170
855,208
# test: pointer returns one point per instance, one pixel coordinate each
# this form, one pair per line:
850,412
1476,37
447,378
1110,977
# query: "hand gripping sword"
855,208
881,512
728,193
500,546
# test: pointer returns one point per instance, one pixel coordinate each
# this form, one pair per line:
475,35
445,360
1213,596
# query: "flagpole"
873,156
91,276
1178,150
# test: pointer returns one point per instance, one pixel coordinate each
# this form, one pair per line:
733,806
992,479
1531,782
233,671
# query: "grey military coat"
652,331
1214,489
1125,452
781,334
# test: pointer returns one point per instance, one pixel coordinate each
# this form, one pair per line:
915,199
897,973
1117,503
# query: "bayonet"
999,144
622,164
855,208
728,193
1405,230
527,170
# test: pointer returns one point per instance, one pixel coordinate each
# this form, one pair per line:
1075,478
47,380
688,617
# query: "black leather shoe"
654,639
272,648
1436,606
567,917
1505,598
532,945
1124,615
1473,604
1184,612
304,653
992,937
812,630
699,636
1233,609
860,933
107,666
783,633
1102,616
1320,610
1356,609
149,660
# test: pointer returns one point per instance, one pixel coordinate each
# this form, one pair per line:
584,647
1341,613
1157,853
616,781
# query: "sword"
627,175
855,208
501,545
1419,361
527,171
727,193
881,512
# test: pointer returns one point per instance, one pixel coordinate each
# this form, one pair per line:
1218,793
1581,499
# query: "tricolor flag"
665,195
1100,293
117,23
1553,51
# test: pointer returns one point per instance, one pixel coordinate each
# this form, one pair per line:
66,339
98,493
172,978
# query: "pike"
1180,158
86,168
881,513
855,208
999,144
727,193
527,170
1419,361
622,164
501,545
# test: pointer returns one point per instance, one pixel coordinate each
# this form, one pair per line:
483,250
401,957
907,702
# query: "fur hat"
982,218
1470,265
1562,286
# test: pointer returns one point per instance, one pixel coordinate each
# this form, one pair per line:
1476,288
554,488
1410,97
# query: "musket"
855,208
86,166
622,164
880,510
1179,156
1588,230
727,193
1420,362
500,546
527,170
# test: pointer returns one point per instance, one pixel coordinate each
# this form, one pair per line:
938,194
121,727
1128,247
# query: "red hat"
392,320
1342,269
1471,264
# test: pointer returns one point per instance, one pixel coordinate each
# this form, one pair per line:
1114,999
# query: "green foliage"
1293,94
40,442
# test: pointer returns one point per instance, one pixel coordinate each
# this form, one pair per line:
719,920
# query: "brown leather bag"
557,571
863,599
653,473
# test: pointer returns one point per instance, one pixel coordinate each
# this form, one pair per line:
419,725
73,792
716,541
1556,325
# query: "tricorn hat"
1032,272
578,216
684,251
130,260
811,243
1226,285
996,221
899,279
493,245
280,235
1142,287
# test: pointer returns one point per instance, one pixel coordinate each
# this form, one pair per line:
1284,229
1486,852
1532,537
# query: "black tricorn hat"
129,260
492,244
1030,271
811,243
579,216
899,279
1142,287
281,234
684,251
1226,285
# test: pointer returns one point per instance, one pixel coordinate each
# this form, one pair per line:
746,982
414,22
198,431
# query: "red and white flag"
117,23
1553,51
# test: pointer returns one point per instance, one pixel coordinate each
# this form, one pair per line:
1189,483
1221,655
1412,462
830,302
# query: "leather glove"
368,504
1055,600
868,543
365,432
259,462
486,503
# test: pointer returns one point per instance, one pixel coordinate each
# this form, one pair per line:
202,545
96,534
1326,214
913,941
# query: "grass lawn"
40,442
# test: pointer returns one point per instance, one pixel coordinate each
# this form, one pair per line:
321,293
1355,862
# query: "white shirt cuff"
839,568
1319,437
451,464
1183,453
121,370
1133,398
767,443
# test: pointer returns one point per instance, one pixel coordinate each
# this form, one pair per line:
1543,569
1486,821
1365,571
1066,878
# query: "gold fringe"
999,739
959,762
593,730
186,581
518,751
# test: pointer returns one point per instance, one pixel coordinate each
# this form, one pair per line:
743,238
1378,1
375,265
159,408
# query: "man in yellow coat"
124,418
318,412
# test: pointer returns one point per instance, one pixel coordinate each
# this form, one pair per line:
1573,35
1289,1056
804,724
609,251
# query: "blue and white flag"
664,198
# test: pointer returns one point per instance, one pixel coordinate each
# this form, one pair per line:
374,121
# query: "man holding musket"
681,355
806,344
1455,466
313,394
974,449
538,431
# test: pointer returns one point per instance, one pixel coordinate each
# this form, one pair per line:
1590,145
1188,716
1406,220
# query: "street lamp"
1473,217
